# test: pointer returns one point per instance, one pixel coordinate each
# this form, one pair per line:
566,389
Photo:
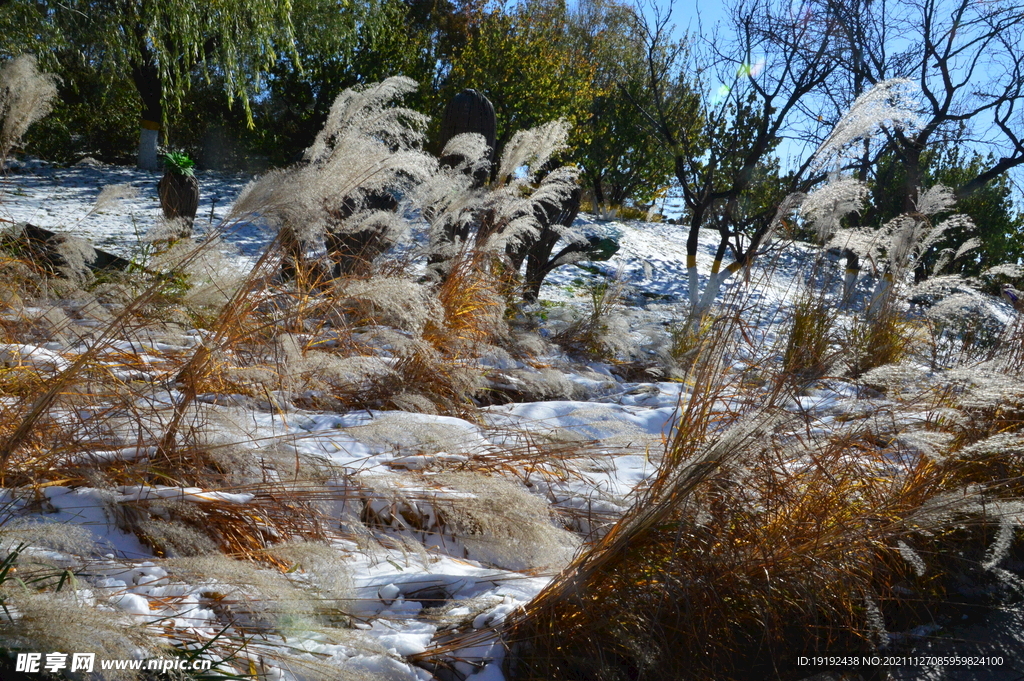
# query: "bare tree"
748,92
965,57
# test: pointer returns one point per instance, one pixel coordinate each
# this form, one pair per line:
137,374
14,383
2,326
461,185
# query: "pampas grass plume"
26,95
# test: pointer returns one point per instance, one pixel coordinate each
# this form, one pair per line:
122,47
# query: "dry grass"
146,365
763,536
26,95
472,304
748,552
597,333
809,351
886,337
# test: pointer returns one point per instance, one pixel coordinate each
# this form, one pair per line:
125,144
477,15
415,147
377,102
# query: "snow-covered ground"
392,457
414,478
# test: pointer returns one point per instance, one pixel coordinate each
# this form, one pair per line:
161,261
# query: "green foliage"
179,163
93,115
115,56
524,60
621,156
602,249
338,47
297,56
239,39
24,27
163,49
444,28
622,160
537,61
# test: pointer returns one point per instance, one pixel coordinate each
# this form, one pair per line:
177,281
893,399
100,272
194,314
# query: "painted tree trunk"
146,77
692,244
880,295
693,278
707,298
148,141
850,276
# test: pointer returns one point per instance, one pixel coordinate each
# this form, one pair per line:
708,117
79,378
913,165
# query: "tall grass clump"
885,334
764,537
887,337
809,351
752,547
510,218
26,95
42,604
599,332
292,329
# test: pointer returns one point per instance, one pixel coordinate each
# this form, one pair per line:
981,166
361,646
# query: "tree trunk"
353,252
146,77
850,276
149,139
915,175
468,112
700,304
692,244
598,192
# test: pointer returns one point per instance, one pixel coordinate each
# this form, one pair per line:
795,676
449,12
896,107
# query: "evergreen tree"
621,157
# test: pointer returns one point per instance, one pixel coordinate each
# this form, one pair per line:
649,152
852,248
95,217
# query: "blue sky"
687,15
700,16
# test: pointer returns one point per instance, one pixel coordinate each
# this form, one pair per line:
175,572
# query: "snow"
15,355
626,423
619,427
62,199
145,493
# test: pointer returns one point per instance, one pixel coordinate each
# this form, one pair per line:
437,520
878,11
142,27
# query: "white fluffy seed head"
826,206
935,199
26,95
113,196
532,148
369,145
888,103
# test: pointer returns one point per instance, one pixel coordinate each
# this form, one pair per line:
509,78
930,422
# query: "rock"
44,247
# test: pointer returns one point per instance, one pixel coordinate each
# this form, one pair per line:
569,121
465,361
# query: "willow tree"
160,45
368,42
